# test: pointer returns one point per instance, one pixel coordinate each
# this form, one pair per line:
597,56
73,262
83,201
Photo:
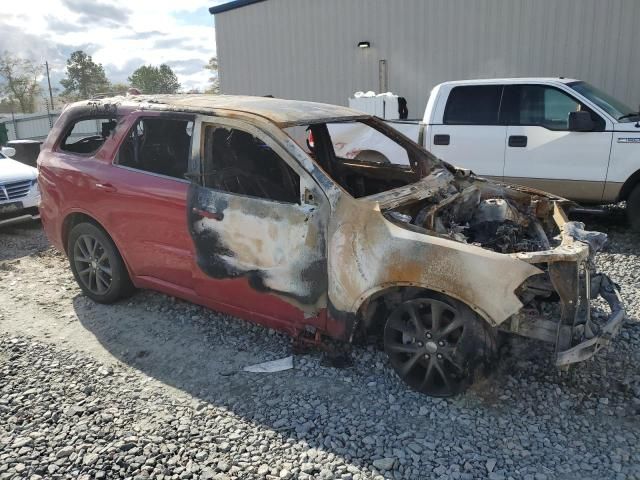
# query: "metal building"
309,49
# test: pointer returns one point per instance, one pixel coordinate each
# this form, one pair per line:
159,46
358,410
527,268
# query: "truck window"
238,162
540,105
473,105
158,145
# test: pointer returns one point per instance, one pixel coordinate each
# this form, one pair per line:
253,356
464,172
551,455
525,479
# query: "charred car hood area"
529,226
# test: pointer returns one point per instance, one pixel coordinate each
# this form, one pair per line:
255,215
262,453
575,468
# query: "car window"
473,105
539,105
237,162
86,136
158,145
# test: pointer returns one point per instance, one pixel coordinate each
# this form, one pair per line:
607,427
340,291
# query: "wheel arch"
629,185
77,217
374,305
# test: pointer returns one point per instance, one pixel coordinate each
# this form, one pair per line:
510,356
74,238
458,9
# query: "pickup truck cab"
559,135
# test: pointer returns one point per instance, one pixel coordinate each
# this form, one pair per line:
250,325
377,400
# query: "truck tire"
437,345
633,208
97,265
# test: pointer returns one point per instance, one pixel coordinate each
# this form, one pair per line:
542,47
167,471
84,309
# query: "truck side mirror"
580,122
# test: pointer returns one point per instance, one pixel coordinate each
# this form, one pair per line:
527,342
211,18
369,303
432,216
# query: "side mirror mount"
8,151
581,122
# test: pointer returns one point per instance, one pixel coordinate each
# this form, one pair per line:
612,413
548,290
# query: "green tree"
212,66
20,81
150,79
85,77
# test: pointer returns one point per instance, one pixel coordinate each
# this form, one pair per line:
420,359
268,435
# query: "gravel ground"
153,388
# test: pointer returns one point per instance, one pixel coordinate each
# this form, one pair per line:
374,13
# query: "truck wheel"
633,208
96,264
437,344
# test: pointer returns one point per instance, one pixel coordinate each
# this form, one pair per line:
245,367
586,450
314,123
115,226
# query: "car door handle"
518,141
106,187
441,139
206,214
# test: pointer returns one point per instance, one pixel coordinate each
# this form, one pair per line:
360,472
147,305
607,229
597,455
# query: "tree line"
20,80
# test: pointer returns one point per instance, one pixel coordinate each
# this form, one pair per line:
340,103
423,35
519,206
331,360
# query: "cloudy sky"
120,34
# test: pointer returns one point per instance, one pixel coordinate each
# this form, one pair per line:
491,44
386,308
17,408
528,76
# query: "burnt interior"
488,215
238,162
158,145
364,157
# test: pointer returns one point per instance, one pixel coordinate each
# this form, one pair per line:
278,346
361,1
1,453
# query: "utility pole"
46,64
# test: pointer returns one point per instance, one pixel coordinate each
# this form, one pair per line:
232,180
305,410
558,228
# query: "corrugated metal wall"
307,49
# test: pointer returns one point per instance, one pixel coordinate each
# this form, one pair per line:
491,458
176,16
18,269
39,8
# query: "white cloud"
120,34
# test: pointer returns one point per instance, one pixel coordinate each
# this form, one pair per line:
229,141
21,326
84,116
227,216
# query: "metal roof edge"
225,7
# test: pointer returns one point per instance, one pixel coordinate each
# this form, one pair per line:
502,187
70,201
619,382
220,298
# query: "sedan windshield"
612,106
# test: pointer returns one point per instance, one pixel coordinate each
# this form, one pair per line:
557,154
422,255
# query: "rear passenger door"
470,135
542,153
258,224
145,192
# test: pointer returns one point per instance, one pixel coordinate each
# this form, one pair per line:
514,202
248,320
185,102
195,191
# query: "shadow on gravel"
203,353
204,358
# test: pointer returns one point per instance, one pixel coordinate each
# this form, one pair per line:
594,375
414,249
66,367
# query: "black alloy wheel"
436,345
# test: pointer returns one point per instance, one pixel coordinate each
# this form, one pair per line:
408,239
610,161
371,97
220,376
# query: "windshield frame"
611,105
421,162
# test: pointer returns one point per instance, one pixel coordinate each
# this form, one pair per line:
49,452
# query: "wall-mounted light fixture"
364,44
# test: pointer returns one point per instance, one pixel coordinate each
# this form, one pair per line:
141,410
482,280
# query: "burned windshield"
364,157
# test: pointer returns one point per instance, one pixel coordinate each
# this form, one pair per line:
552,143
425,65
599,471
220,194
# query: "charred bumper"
570,272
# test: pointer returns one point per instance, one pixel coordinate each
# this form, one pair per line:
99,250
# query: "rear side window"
86,136
473,105
158,145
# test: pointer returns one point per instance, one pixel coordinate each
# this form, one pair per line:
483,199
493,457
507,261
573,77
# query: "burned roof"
280,111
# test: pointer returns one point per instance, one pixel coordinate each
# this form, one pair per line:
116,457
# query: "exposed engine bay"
490,215
532,227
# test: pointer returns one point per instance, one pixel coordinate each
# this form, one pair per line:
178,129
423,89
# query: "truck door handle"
518,141
441,139
106,187
206,214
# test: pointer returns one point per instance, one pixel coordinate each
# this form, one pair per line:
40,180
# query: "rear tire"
97,265
437,344
633,208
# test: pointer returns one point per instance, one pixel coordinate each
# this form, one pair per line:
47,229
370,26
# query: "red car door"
142,195
259,241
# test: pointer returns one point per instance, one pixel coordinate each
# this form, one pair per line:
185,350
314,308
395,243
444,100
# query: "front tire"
97,265
633,208
437,344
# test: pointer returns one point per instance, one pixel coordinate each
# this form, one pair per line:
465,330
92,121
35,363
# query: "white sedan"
19,192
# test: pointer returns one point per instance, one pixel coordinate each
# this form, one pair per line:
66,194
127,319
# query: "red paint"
146,217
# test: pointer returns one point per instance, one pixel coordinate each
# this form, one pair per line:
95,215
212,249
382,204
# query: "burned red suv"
322,222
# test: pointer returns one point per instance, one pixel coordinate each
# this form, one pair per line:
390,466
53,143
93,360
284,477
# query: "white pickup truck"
554,134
